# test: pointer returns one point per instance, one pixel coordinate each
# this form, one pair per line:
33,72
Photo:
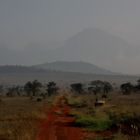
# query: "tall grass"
19,118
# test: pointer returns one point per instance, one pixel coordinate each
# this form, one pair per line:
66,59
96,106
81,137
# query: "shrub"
92,122
115,119
77,103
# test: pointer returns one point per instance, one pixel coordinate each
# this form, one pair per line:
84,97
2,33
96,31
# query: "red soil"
57,126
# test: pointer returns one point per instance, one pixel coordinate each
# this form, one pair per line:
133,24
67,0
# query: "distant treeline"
36,88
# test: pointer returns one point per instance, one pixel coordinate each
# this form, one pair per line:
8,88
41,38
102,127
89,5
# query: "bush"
115,119
77,103
92,122
85,121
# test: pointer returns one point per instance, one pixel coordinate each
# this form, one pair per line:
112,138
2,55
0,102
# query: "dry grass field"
19,116
118,105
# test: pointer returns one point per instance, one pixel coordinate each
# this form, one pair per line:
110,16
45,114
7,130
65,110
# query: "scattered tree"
32,87
94,89
28,88
52,88
107,87
100,87
126,88
77,87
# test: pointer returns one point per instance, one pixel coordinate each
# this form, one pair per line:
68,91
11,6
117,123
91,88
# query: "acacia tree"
77,87
28,88
32,87
52,88
107,87
126,88
94,89
97,86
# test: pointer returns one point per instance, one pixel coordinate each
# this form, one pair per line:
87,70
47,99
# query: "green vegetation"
92,122
77,103
100,87
18,113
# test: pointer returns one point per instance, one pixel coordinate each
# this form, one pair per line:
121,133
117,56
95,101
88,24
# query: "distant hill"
79,67
90,45
20,69
11,75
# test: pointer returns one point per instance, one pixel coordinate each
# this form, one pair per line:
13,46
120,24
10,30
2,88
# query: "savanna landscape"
93,111
69,70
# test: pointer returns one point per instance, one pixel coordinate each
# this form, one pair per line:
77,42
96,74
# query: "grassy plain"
19,116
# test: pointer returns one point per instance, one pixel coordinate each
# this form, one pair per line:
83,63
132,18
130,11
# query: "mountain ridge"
89,45
74,66
59,66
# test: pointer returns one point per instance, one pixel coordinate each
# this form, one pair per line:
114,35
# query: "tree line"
35,88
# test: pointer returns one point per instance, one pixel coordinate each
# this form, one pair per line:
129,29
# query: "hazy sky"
59,19
23,22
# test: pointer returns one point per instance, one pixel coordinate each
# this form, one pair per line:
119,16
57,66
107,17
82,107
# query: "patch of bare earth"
58,125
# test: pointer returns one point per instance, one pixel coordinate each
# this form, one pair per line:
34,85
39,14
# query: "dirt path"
58,125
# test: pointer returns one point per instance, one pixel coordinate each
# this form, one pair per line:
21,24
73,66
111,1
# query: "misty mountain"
79,67
90,45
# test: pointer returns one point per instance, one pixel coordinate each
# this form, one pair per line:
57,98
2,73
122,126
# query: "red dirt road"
58,125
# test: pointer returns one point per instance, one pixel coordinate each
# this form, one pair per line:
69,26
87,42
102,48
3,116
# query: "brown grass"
19,118
116,103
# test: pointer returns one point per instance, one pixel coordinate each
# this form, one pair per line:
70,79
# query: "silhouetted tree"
107,87
100,87
94,89
28,88
52,88
126,88
77,87
32,87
